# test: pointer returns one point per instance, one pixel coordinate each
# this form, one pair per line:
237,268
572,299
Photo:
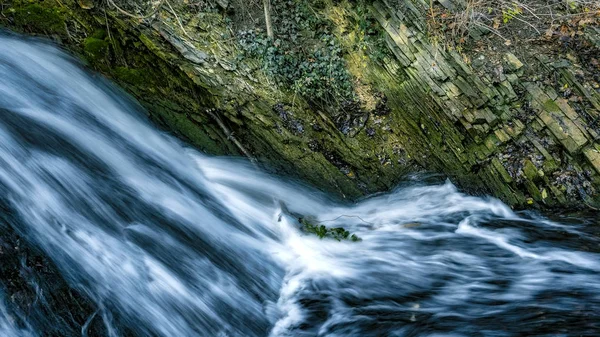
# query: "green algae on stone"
39,19
95,49
132,76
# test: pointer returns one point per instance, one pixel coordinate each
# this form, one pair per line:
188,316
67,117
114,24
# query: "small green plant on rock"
321,231
371,37
510,13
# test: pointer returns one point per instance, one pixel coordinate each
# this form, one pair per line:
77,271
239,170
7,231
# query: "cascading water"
170,242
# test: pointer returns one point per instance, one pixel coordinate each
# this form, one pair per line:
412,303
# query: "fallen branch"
179,21
230,136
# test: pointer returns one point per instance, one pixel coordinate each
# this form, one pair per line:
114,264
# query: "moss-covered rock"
38,18
493,121
95,49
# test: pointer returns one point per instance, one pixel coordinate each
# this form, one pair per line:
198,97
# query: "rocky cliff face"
525,126
353,97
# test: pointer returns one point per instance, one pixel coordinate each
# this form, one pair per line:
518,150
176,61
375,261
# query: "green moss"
135,77
551,106
156,50
531,172
95,49
38,19
533,190
99,34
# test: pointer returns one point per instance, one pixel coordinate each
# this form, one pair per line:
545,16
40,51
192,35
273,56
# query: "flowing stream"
171,242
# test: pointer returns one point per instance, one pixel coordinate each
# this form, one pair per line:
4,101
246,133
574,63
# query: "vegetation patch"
304,56
321,231
38,18
370,37
95,49
509,20
137,77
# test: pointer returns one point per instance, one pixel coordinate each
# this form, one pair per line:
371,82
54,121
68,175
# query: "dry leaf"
496,24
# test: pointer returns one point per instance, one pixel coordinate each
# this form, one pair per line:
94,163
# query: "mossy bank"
351,96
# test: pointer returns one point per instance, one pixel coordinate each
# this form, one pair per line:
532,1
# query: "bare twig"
530,11
590,206
179,21
491,29
527,23
230,136
538,15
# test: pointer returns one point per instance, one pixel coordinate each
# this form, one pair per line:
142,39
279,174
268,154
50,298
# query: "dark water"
169,242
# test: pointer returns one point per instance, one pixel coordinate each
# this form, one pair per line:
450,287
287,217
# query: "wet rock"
370,132
314,146
289,122
381,108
